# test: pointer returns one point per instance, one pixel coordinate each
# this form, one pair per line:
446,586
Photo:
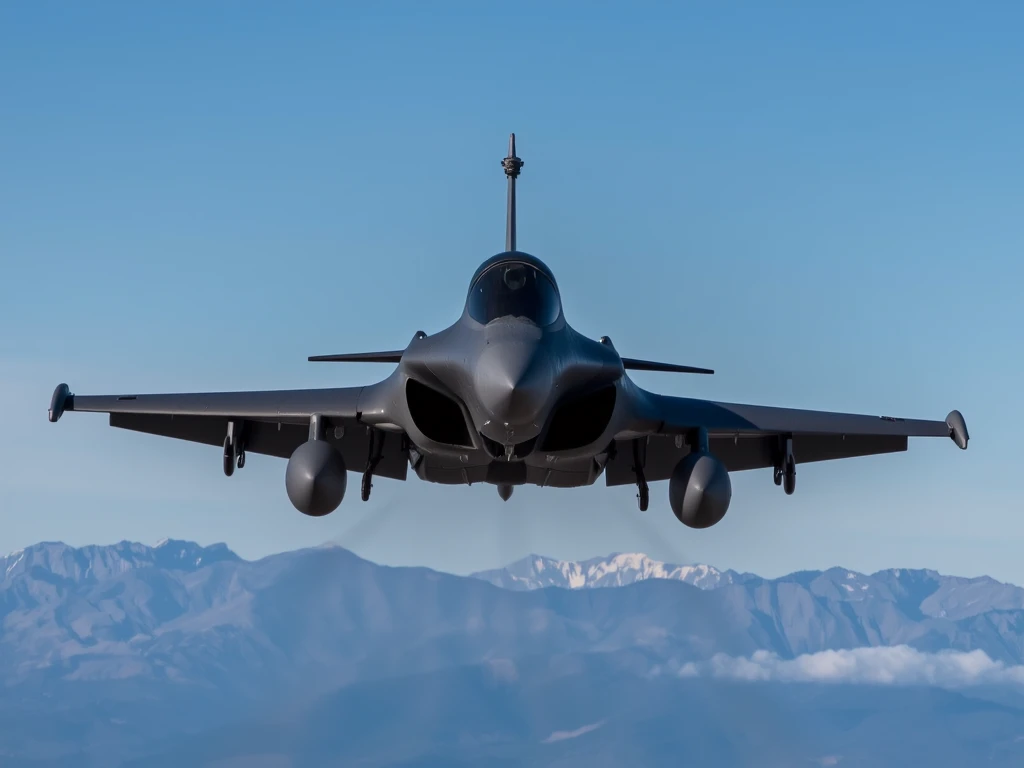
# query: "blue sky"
823,203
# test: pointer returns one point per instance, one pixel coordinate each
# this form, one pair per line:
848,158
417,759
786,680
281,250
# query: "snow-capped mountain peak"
920,592
616,570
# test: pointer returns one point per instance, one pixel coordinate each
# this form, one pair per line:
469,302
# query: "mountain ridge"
142,644
98,561
939,595
701,575
131,591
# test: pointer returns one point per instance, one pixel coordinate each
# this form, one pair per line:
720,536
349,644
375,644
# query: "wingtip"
60,401
958,429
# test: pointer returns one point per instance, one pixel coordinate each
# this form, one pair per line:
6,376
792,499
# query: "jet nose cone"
513,382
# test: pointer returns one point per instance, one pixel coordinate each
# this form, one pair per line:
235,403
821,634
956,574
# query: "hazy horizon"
597,556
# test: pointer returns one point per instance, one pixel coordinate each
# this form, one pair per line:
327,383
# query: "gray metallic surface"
58,401
632,364
957,429
700,490
288,406
359,357
679,414
512,165
514,399
315,478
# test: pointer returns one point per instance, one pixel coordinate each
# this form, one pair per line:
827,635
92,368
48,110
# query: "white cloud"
563,735
892,665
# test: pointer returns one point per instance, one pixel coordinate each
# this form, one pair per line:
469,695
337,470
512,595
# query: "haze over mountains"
191,655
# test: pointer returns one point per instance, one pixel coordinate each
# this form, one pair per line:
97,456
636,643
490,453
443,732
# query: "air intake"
581,420
437,416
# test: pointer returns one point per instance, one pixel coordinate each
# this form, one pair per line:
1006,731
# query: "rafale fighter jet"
510,394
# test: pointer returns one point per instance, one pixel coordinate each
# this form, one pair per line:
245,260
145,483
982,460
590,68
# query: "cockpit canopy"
514,285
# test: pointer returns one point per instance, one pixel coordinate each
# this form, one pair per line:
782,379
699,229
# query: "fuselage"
509,393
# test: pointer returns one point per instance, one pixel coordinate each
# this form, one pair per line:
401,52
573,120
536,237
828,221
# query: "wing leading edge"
272,423
749,436
680,414
296,405
633,364
392,356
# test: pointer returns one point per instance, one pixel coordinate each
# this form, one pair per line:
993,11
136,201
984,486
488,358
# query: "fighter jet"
510,394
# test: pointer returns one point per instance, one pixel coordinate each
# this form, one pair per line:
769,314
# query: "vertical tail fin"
512,165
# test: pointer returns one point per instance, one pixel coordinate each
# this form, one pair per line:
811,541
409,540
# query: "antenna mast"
512,165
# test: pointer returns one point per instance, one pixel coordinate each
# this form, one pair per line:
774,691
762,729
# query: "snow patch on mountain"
917,592
616,570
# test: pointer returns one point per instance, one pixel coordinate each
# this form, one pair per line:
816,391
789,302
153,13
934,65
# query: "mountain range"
184,654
